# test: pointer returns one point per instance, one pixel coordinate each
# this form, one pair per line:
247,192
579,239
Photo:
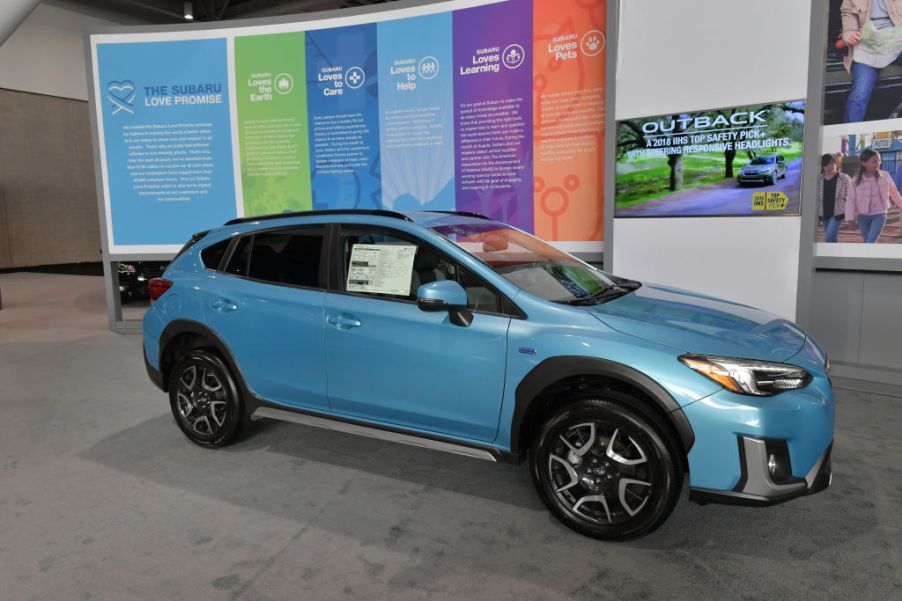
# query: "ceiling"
172,11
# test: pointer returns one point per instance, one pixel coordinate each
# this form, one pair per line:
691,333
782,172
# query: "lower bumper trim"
818,479
154,374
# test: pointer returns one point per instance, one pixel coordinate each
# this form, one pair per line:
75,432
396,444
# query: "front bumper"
736,436
756,177
759,487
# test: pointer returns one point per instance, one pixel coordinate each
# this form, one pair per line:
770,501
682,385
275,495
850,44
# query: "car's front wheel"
606,469
205,400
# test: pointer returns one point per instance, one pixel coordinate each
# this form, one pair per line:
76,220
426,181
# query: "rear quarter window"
212,255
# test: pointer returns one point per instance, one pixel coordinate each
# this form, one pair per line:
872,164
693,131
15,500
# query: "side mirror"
445,295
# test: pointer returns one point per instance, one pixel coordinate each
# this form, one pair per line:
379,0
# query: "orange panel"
568,112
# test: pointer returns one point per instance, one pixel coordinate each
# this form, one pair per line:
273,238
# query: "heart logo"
121,94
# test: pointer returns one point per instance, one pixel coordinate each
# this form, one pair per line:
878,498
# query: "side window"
479,296
212,255
287,257
238,262
388,266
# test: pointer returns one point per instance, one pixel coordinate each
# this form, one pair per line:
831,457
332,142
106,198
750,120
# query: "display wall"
491,107
751,259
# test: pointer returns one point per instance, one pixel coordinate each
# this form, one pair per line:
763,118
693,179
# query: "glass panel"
530,263
212,255
287,258
238,262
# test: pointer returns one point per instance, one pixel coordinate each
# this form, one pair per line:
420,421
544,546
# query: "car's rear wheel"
605,468
205,400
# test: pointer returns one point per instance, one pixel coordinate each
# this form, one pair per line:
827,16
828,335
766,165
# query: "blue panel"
343,116
416,113
167,139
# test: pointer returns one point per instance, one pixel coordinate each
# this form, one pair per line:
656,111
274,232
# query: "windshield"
762,161
533,265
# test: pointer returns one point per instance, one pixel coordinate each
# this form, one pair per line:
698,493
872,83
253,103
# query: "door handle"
224,305
343,322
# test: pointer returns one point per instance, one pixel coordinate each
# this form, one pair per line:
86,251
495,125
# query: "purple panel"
493,111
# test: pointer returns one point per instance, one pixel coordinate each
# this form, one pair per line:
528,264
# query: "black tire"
649,486
210,411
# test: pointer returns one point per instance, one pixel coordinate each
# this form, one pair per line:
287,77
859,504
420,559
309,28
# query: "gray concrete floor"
101,497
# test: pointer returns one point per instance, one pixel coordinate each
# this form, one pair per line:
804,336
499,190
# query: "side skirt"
380,433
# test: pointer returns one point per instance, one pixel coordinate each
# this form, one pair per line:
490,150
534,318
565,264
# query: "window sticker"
381,268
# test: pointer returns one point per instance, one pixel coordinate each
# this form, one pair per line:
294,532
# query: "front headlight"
747,376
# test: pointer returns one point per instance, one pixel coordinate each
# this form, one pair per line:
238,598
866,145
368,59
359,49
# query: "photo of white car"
766,168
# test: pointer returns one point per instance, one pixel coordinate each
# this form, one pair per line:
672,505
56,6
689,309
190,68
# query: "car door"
391,362
267,306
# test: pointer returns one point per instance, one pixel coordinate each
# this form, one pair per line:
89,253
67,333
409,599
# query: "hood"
701,324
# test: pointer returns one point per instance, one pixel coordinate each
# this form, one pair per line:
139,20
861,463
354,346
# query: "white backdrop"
696,55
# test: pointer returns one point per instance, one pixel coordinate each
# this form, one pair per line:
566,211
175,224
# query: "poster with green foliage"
270,82
735,161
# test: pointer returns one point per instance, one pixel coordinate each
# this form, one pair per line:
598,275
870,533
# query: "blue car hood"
701,324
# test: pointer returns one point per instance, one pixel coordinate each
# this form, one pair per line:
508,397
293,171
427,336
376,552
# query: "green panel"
270,80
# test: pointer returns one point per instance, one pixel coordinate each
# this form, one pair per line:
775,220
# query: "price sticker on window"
381,268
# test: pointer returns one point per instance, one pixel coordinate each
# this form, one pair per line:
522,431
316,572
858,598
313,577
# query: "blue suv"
455,332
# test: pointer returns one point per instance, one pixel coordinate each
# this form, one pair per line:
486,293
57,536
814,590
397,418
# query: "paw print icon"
592,42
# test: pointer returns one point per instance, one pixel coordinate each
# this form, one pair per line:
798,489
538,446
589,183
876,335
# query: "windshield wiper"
600,297
630,284
608,294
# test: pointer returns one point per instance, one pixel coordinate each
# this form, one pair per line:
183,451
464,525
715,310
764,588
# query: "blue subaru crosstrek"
458,333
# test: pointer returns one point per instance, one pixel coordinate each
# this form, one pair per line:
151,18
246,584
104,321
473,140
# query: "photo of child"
858,199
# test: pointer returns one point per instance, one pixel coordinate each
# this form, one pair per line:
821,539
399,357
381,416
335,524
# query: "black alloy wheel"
605,468
204,399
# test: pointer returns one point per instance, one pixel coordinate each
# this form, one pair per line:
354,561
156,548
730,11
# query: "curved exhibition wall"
492,107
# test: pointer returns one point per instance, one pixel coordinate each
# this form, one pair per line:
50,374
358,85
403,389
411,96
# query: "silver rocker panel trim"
372,432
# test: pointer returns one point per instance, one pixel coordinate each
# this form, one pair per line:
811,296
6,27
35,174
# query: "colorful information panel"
272,122
166,139
496,108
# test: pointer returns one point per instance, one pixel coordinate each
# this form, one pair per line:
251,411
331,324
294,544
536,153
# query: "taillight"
157,286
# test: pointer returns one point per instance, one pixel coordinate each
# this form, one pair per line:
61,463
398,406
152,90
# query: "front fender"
540,354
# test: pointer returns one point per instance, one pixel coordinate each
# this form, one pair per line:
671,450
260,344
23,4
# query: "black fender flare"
560,368
177,327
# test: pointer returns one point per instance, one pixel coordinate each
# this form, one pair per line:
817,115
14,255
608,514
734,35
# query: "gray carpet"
101,497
